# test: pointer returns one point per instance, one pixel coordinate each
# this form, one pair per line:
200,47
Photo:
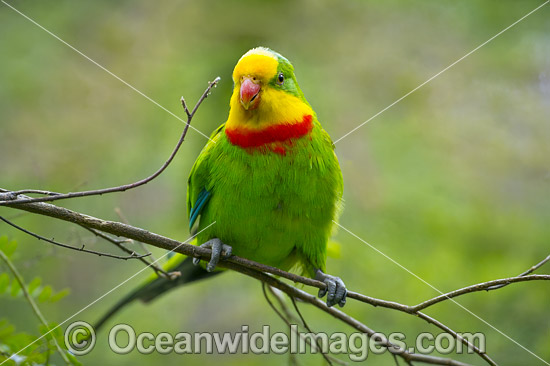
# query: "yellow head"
266,92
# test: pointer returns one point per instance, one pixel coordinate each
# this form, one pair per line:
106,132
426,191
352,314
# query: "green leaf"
59,295
45,294
8,247
4,282
35,283
15,288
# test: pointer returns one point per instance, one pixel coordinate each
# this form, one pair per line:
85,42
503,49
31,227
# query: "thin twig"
281,300
529,271
9,198
123,218
535,267
457,336
304,323
288,316
133,255
477,287
120,244
285,318
33,305
36,191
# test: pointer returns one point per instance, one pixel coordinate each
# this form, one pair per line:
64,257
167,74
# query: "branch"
119,243
285,316
147,237
133,255
535,267
249,268
529,271
304,323
123,218
338,314
8,198
478,287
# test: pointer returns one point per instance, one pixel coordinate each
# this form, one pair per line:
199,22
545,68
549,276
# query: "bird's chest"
268,181
266,188
262,199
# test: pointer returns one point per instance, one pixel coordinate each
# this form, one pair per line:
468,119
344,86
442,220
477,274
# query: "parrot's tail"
159,286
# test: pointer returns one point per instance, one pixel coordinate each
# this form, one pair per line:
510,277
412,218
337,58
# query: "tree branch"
529,271
133,255
478,287
255,270
120,244
8,198
123,218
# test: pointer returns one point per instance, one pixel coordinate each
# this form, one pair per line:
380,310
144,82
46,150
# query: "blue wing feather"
202,199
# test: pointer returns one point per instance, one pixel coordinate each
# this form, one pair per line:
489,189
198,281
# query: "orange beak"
250,93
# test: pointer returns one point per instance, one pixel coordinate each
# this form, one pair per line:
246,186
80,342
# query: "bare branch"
123,218
9,198
338,314
478,287
529,271
281,300
304,323
120,244
184,105
35,191
535,267
249,268
458,337
286,317
133,255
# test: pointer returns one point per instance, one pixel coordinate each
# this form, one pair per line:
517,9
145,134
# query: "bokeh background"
453,182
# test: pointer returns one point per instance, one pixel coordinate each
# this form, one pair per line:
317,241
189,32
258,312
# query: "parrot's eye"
281,78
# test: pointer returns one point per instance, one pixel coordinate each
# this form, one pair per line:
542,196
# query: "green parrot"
268,179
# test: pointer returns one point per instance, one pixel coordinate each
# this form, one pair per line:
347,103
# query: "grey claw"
219,250
336,289
227,251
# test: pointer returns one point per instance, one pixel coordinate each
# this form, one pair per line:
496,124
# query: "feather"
204,195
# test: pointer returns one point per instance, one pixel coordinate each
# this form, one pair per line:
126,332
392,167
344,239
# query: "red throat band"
247,138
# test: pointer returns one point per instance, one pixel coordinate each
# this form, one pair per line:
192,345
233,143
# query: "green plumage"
271,208
270,205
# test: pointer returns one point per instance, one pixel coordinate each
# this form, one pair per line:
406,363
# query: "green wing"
197,193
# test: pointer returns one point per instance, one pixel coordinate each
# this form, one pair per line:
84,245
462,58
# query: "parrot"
267,186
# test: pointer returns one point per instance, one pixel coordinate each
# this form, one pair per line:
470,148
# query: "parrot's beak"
250,93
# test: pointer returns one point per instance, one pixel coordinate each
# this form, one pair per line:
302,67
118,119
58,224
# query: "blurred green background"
453,182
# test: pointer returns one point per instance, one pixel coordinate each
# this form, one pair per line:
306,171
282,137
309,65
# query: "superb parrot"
268,178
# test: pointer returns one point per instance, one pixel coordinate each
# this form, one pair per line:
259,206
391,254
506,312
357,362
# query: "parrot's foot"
335,288
219,250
